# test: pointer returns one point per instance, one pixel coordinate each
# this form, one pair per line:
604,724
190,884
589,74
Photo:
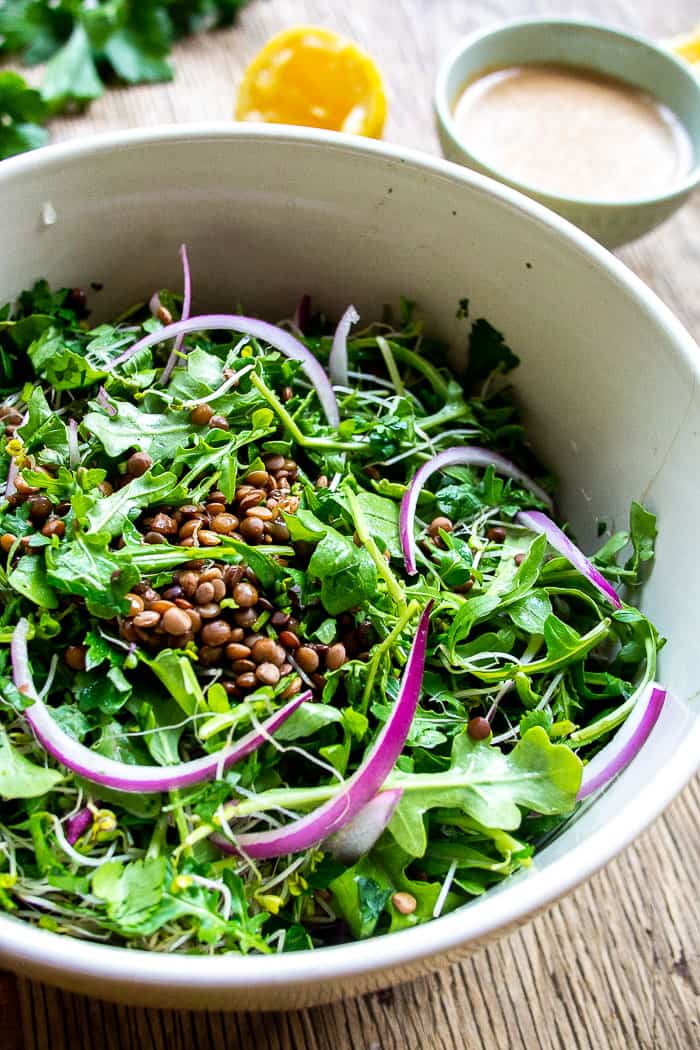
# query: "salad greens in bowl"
333,636
294,651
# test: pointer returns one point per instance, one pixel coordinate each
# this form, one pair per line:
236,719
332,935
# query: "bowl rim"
52,955
443,106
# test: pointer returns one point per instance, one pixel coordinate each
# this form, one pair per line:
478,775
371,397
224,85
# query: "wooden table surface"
616,964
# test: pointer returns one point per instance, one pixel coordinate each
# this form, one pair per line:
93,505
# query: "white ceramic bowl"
580,44
609,376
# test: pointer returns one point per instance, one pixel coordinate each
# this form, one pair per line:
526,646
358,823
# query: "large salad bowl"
609,381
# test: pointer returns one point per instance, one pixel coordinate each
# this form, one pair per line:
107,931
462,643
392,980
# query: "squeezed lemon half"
688,47
311,76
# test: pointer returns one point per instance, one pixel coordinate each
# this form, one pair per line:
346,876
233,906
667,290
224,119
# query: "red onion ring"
283,341
624,746
539,522
119,775
358,837
360,788
338,359
186,303
460,455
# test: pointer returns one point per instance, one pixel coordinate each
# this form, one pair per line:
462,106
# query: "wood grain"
617,964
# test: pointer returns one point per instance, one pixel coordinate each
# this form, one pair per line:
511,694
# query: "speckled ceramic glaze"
631,58
609,376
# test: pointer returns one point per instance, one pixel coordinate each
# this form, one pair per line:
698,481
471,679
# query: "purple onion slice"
186,304
338,359
460,455
624,746
354,795
358,837
539,522
285,342
119,775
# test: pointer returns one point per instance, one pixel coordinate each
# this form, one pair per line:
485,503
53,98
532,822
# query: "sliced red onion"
186,303
73,448
625,745
78,824
103,398
539,522
302,314
286,343
358,837
338,359
10,487
118,775
154,304
360,788
463,456
13,469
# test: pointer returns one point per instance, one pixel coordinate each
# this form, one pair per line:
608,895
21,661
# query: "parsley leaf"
131,892
488,352
22,114
85,45
20,778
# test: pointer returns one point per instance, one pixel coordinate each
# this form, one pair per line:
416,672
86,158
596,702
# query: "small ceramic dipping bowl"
596,48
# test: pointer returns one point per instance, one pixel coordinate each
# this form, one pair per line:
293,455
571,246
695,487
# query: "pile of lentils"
189,609
253,516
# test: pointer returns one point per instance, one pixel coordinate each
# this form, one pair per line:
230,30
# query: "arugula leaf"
20,778
60,362
307,720
43,426
509,585
455,562
176,673
489,786
530,612
29,578
110,514
643,533
561,640
22,114
382,518
85,567
158,434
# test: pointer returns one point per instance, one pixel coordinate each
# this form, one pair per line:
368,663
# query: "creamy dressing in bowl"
572,131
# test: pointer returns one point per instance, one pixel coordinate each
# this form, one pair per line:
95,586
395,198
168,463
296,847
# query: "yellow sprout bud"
181,882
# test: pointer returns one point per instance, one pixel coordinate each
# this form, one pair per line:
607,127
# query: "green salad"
292,649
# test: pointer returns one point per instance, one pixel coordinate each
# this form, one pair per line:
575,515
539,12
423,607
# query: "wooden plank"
616,964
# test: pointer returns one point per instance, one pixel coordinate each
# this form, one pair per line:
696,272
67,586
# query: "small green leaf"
488,352
347,573
20,778
643,533
131,892
71,75
489,786
29,578
110,513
